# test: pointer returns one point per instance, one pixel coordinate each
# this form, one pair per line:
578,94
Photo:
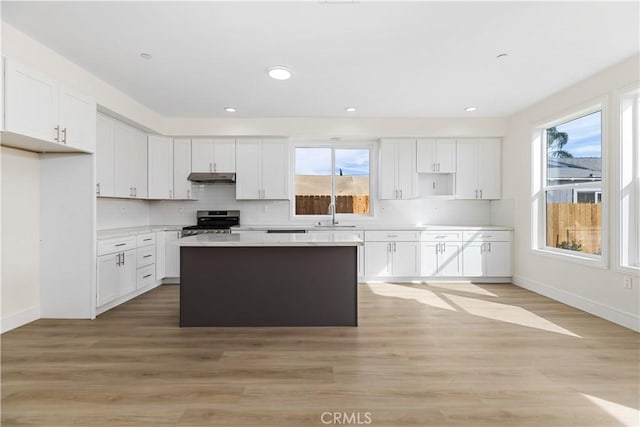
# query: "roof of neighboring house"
575,167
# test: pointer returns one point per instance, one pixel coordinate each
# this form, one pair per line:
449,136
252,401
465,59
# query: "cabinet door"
377,259
161,255
77,120
388,170
108,279
160,152
445,153
425,156
31,103
105,151
472,259
275,169
449,260
429,259
127,273
406,169
248,169
139,164
123,170
466,183
172,254
224,155
202,155
498,259
406,259
181,168
489,168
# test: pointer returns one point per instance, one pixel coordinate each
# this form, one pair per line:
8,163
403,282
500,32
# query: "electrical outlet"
628,282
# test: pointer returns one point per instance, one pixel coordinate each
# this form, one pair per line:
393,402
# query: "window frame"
334,145
624,231
540,186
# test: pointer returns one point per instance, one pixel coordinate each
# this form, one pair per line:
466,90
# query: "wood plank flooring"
424,355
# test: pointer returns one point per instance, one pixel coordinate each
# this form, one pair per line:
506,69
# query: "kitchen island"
261,279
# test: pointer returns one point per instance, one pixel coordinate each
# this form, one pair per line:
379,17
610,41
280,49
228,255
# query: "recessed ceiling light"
470,109
350,109
502,56
145,55
279,72
229,109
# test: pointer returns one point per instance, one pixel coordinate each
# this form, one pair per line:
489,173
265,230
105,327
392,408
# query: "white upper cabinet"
77,120
43,116
436,155
130,162
213,155
478,168
105,152
160,152
181,168
262,169
398,177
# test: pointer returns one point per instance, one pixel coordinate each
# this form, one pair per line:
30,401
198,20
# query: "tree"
556,142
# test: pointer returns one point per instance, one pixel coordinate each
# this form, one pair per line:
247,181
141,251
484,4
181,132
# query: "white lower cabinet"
441,259
487,254
116,276
172,254
392,254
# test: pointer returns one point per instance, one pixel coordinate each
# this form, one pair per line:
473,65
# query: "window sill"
626,269
576,259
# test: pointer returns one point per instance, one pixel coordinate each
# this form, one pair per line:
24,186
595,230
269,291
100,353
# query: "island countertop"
338,238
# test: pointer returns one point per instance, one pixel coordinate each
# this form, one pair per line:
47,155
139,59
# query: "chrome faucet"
332,212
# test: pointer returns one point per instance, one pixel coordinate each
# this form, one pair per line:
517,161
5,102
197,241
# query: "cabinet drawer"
487,236
146,256
109,246
442,236
392,236
146,239
146,276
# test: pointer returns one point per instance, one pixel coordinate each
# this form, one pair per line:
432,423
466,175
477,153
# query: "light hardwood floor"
423,355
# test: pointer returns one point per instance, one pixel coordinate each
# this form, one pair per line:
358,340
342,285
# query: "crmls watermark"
346,418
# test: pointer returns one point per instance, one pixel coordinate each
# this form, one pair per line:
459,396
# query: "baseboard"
418,280
20,318
592,307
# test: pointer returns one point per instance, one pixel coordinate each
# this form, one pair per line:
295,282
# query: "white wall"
119,213
596,290
278,212
20,278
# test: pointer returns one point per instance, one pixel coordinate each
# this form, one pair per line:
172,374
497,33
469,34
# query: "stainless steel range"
213,222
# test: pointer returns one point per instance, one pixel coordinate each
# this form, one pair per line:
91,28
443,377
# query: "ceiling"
387,59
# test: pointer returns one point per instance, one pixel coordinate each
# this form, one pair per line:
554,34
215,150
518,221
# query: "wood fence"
319,205
575,222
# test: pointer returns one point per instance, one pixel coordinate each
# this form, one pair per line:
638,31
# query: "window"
335,176
572,185
629,185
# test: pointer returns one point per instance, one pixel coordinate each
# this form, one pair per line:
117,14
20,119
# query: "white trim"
571,256
424,280
611,314
108,306
20,318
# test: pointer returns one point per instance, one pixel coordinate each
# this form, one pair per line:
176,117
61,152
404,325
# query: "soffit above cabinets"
386,59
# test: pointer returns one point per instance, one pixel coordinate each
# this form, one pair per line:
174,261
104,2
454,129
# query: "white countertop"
372,227
134,231
266,239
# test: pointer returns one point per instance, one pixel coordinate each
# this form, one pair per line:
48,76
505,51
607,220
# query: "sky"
317,161
584,135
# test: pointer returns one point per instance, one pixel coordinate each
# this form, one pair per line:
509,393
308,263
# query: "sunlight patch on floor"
463,287
627,416
507,313
420,295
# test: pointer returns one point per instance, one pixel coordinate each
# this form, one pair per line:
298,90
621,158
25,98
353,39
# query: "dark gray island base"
268,286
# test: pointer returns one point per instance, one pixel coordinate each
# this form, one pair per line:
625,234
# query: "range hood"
213,177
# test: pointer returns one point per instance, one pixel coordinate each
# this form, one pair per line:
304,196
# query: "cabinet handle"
188,193
170,193
118,260
145,276
147,240
401,194
433,167
98,189
123,258
476,194
394,247
489,246
147,256
392,235
215,167
481,194
438,167
120,244
57,137
64,136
